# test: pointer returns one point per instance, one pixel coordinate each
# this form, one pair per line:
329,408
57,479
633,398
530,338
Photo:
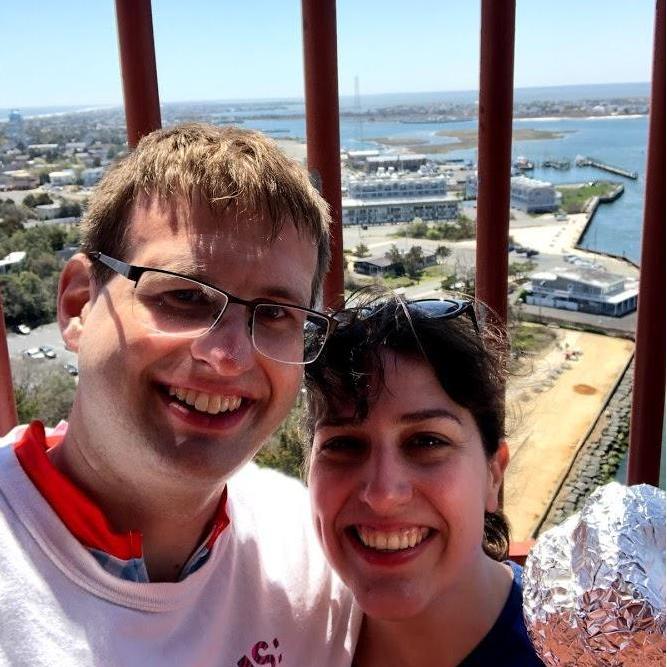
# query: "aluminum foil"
594,587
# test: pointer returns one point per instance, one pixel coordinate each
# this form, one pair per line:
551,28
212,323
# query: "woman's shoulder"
507,644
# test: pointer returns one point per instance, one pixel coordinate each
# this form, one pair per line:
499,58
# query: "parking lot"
47,335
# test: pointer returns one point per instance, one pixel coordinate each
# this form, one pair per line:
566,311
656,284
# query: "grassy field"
575,197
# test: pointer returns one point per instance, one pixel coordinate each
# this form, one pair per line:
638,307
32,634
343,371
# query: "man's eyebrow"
186,265
190,268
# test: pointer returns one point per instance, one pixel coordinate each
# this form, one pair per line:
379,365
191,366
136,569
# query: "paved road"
48,334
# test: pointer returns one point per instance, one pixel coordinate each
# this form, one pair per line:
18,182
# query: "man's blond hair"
223,166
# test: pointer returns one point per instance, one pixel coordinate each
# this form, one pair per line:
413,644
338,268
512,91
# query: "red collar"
82,517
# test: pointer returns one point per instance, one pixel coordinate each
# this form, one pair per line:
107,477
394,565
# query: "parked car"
531,252
71,369
33,353
23,329
48,351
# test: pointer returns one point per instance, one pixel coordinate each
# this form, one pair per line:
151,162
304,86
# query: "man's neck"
172,519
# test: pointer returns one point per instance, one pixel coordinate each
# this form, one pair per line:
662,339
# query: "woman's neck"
445,632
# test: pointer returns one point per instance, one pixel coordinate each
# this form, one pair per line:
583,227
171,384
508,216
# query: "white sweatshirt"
265,596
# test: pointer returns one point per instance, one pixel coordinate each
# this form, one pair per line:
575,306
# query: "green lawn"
575,198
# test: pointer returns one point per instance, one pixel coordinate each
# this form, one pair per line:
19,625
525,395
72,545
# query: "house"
586,290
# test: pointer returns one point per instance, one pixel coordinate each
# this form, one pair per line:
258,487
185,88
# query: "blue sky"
60,53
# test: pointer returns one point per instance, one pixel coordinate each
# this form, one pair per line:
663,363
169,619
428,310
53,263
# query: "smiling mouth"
209,404
391,540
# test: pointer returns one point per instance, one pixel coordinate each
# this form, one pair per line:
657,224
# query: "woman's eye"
341,447
427,442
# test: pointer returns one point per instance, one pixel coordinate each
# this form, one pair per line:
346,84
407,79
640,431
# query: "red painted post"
8,418
495,152
322,126
139,72
649,381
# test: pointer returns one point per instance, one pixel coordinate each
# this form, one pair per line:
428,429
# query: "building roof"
13,258
597,277
530,182
349,202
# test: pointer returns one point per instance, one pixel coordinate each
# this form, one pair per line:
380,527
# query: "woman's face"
399,499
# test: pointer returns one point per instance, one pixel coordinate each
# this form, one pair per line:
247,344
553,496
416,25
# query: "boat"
523,164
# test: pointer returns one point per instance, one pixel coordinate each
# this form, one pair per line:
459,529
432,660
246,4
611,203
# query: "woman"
406,408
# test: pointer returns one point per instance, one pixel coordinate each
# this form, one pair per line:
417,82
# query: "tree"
442,252
285,451
361,250
47,397
396,258
26,298
413,262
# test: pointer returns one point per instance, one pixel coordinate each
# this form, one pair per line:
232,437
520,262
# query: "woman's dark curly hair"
469,364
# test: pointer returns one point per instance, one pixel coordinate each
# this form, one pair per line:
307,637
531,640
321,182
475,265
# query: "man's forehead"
206,223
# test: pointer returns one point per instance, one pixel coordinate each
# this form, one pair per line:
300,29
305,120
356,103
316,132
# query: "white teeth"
392,540
212,404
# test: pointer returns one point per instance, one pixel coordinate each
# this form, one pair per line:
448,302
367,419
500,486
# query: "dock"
583,161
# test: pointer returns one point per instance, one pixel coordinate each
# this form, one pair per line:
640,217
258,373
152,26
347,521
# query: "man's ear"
497,466
75,296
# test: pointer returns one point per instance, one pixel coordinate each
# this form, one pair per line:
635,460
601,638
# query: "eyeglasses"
172,304
444,308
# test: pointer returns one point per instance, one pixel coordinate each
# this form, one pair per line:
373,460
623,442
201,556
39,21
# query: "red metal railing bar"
8,417
322,126
648,401
138,69
494,152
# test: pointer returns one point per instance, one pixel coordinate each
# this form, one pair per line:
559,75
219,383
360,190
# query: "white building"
91,176
390,197
14,259
526,194
587,290
64,177
533,196
47,211
18,179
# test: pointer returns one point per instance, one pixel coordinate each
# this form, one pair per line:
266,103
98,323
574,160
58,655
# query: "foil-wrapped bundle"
594,587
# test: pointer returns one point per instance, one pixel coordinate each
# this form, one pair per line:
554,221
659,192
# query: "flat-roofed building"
391,197
18,179
47,211
533,196
63,177
400,162
91,176
12,260
587,290
526,194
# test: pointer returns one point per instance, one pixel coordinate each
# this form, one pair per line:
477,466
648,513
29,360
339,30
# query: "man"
124,541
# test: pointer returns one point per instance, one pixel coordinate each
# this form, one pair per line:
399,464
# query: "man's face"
156,403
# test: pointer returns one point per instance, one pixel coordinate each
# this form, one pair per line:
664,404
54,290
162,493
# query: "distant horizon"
92,106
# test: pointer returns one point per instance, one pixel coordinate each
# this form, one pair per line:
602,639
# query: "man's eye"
273,312
185,296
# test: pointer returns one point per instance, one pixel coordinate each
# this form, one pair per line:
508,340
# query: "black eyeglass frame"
134,272
464,307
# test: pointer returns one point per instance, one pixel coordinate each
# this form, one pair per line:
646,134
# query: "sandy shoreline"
558,403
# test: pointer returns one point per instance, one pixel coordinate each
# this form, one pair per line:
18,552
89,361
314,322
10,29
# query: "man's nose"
227,347
386,484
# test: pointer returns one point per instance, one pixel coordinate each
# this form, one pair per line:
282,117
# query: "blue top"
507,643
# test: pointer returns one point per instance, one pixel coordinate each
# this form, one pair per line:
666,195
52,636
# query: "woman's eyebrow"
433,413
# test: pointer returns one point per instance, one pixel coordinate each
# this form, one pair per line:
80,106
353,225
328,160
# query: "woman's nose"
387,483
